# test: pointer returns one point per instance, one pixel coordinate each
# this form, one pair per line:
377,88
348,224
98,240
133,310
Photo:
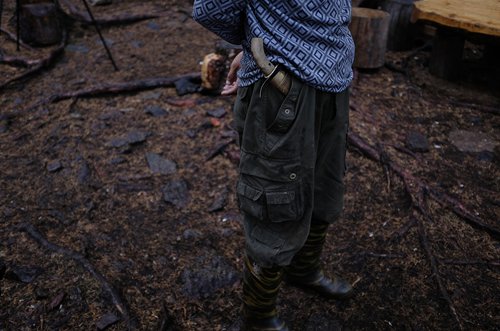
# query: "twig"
404,229
483,108
416,188
424,241
40,65
467,262
12,36
34,233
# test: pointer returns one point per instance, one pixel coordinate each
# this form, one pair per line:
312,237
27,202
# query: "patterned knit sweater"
310,38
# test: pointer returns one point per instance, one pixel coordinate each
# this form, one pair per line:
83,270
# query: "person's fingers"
230,88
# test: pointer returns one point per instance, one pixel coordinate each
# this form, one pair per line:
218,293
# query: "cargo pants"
292,165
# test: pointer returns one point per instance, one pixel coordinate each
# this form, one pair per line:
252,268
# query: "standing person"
292,139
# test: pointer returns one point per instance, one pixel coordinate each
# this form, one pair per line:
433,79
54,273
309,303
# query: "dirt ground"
138,189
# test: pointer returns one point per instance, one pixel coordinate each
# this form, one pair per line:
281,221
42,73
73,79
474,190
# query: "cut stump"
40,24
369,28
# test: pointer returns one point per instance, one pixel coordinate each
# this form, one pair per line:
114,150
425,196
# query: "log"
401,31
369,28
40,24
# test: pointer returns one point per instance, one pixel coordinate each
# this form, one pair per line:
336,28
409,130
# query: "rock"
77,48
100,2
417,142
155,95
118,160
191,234
106,321
186,85
159,165
84,173
153,26
110,115
212,274
117,142
176,192
137,137
220,201
156,111
54,166
23,274
218,113
468,141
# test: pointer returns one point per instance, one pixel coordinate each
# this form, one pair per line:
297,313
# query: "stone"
106,321
220,201
176,192
117,142
24,274
77,48
137,137
156,111
417,142
153,26
54,166
186,85
217,113
84,172
472,141
160,165
56,301
210,275
154,95
118,160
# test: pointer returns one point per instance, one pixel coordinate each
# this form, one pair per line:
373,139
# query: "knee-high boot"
260,291
305,270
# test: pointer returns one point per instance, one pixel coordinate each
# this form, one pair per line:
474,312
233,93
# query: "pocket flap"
279,198
248,191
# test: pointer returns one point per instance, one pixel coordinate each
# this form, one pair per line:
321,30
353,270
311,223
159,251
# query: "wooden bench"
455,18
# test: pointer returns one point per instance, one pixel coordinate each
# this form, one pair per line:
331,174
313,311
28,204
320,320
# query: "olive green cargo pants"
292,165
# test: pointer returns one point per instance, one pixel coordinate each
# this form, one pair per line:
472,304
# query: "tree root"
34,233
418,188
81,16
13,37
37,65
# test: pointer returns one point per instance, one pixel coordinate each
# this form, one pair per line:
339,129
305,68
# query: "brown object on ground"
369,28
40,24
401,31
213,70
454,17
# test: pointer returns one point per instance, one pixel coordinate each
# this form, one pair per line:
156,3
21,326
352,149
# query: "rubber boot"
260,291
305,270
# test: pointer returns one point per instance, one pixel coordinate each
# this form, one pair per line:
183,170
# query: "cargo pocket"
270,201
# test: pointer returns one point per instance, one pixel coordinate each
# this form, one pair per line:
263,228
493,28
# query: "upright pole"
99,33
17,23
1,12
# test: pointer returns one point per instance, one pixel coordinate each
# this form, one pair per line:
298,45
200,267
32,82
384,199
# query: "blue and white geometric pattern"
308,37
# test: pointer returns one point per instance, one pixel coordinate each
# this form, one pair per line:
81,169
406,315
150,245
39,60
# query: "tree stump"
40,24
369,28
401,31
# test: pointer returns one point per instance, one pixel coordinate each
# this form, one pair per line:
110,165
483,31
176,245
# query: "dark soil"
136,186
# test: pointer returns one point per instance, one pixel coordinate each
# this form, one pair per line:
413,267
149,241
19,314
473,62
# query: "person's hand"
232,80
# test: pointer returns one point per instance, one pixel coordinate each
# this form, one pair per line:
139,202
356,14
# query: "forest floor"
137,192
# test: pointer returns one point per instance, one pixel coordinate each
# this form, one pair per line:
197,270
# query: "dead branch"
39,65
470,262
81,16
417,188
424,241
403,230
34,233
13,37
18,61
482,108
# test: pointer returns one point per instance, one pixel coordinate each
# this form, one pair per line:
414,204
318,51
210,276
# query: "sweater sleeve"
225,18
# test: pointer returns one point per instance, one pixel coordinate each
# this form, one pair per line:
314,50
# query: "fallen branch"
76,14
424,241
34,233
12,36
39,65
467,262
417,188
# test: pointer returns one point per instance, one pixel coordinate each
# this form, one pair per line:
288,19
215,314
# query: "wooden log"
401,31
40,24
369,28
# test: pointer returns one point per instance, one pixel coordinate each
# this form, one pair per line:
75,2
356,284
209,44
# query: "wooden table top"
479,16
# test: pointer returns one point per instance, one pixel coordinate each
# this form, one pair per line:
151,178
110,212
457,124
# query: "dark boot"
260,290
305,271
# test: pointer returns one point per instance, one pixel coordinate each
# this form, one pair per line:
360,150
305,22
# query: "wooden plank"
478,16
